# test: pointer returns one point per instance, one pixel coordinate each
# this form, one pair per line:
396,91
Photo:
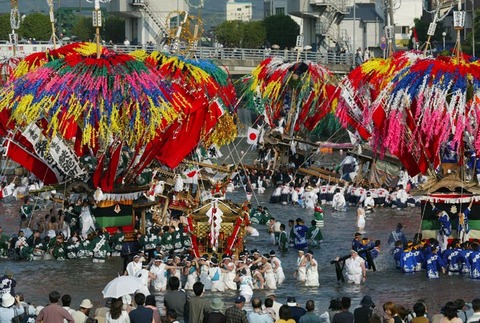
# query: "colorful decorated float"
424,111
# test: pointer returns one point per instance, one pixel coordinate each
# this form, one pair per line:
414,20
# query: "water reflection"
84,279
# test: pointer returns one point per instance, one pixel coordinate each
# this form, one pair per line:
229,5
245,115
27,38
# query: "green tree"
114,29
240,34
254,34
421,26
5,28
281,30
230,33
467,46
83,29
36,25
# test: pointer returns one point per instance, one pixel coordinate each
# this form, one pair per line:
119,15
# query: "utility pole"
389,27
473,28
354,49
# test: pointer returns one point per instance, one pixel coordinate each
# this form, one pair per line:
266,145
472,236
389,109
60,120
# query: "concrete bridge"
238,61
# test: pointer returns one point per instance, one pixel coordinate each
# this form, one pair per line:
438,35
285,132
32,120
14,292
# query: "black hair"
66,300
310,306
285,313
269,302
139,299
419,309
173,283
450,310
198,288
335,304
346,302
150,300
54,297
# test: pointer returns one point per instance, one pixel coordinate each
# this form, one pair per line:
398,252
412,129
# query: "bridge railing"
206,53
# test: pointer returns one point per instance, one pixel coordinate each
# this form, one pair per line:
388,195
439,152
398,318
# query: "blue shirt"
408,262
255,317
141,314
310,317
8,313
300,234
434,264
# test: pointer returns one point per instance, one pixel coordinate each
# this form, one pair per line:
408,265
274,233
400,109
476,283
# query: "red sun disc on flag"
252,136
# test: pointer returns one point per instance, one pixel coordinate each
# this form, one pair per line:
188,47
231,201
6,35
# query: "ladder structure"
156,16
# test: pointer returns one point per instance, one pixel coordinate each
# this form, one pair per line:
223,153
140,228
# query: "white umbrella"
275,46
121,286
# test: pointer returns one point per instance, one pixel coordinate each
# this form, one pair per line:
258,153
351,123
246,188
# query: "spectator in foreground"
53,312
310,316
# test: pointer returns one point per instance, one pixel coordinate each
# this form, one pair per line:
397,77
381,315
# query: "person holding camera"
10,307
363,313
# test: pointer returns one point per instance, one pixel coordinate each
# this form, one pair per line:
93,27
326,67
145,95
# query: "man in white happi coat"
135,266
355,270
87,220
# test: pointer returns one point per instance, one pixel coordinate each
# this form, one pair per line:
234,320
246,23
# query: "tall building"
239,10
150,20
275,7
321,21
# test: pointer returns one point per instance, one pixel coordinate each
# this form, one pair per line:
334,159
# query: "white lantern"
458,19
431,29
389,32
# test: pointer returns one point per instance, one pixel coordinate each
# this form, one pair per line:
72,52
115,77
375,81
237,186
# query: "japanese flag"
252,136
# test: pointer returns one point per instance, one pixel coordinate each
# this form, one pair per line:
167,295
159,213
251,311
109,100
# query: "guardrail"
6,50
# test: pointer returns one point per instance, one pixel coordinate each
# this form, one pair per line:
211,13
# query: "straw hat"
86,303
7,300
216,304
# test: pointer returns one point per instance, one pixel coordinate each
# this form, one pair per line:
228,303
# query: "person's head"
390,308
285,313
353,254
460,303
310,305
173,283
346,302
54,297
171,315
450,310
399,226
419,309
239,301
216,304
8,273
140,299
367,301
268,302
256,303
335,304
282,227
150,300
476,305
66,300
116,308
85,306
272,297
198,288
